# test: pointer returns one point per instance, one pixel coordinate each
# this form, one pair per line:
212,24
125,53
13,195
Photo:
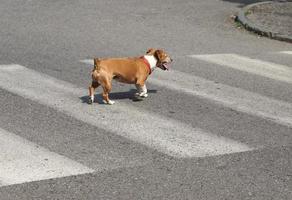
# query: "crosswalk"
286,52
28,162
165,135
22,161
254,66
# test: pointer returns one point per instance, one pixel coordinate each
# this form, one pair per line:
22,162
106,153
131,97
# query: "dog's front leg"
142,90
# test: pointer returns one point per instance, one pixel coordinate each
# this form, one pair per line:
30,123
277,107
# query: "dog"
126,70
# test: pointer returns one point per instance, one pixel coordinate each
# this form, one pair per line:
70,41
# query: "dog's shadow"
115,96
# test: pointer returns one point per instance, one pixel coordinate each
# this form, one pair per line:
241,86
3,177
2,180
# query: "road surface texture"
216,126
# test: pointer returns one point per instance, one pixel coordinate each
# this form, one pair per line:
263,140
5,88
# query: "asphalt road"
218,125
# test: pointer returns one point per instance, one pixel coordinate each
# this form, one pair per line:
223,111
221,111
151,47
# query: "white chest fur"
152,61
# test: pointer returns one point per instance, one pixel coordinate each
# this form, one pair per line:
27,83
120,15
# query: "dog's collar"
146,62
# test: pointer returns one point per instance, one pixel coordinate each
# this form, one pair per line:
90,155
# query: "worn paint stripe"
23,161
286,52
163,134
254,66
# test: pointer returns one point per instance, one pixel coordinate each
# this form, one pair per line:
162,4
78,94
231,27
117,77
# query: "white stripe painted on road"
286,52
235,98
155,131
87,61
254,66
23,161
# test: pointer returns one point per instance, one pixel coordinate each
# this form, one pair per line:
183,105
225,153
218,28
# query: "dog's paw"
144,95
90,101
110,102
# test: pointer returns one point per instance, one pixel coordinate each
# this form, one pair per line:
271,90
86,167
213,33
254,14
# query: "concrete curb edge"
241,18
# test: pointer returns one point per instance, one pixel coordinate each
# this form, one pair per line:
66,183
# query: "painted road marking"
23,161
254,66
235,98
163,134
286,52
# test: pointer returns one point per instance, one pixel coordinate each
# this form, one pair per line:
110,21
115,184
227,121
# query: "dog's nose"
171,60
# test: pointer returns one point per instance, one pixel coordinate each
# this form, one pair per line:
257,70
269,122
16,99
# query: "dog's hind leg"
92,88
107,86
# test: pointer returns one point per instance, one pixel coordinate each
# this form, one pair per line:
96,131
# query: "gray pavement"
50,38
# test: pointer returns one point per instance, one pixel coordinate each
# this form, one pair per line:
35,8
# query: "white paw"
143,95
110,102
91,100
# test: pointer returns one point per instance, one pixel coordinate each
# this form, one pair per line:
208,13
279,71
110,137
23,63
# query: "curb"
241,18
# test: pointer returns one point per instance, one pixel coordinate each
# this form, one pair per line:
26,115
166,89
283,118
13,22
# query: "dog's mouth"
164,66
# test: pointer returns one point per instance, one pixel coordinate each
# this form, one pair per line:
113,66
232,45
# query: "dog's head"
163,59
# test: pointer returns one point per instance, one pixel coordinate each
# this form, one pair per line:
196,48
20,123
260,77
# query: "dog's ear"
150,51
158,54
96,62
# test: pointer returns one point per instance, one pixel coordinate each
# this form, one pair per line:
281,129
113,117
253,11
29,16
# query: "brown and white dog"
127,70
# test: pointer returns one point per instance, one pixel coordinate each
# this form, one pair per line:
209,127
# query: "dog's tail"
96,64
